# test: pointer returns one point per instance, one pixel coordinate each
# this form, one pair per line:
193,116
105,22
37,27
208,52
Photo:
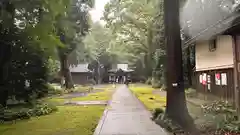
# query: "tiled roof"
202,20
80,68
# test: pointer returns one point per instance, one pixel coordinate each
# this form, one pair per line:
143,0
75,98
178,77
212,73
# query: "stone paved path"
127,116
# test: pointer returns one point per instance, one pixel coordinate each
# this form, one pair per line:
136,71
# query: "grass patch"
150,100
55,100
69,120
104,95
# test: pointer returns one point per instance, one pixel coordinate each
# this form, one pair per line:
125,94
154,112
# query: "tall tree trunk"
176,101
99,78
6,50
66,72
151,49
3,89
189,67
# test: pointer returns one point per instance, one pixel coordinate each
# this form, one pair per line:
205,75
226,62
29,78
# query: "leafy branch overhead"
138,25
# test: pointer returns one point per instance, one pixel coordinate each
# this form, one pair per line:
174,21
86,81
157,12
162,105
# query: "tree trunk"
3,90
5,58
189,67
176,102
66,72
98,74
6,51
151,49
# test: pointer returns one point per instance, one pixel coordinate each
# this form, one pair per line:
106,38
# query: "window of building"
212,45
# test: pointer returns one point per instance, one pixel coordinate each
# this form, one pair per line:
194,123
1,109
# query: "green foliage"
149,81
168,124
100,49
72,27
138,27
190,92
51,90
156,113
79,119
26,113
53,68
100,44
28,38
28,64
218,107
156,84
226,118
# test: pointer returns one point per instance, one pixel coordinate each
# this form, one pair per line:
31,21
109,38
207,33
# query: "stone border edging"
98,129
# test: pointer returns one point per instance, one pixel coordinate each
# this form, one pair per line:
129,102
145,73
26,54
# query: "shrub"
54,91
226,117
156,83
164,87
149,81
157,112
168,124
26,113
218,107
43,109
190,92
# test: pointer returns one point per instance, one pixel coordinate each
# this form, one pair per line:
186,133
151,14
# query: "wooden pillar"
236,43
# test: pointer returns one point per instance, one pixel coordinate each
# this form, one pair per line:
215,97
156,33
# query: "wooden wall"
222,91
81,78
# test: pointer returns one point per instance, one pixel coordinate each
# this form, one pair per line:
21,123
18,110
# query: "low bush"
163,88
226,118
217,107
156,84
11,114
156,112
190,92
160,118
54,91
149,81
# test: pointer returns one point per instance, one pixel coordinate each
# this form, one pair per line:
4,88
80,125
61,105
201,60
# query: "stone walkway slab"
127,116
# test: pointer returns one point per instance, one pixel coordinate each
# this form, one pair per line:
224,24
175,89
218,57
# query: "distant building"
80,73
215,66
215,33
119,73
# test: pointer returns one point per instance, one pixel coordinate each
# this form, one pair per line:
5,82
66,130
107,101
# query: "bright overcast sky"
98,10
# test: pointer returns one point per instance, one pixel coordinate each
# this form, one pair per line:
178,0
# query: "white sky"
97,11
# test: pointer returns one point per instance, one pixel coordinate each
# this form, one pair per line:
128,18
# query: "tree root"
178,125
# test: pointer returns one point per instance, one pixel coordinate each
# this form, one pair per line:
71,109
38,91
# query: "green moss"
69,120
146,96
